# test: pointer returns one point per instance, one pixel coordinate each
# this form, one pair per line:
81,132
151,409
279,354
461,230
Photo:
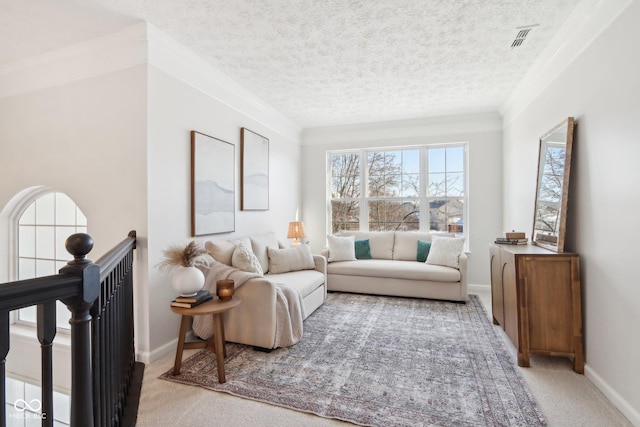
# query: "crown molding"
587,21
177,60
459,124
139,44
120,50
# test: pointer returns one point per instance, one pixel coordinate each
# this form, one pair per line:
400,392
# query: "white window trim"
23,201
423,198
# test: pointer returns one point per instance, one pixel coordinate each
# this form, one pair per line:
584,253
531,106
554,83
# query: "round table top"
210,307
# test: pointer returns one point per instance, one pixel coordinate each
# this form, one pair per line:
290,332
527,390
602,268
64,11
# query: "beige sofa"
394,269
255,321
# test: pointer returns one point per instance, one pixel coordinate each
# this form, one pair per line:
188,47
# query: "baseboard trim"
618,401
478,288
147,357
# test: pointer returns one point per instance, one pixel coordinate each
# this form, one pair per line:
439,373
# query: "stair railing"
105,378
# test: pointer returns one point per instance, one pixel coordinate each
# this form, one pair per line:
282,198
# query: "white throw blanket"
289,316
289,308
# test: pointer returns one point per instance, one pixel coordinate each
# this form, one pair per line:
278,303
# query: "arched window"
42,228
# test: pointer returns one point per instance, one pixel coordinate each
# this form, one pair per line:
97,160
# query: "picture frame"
254,173
212,185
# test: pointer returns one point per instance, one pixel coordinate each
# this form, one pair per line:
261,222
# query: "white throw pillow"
290,259
244,259
445,251
341,248
220,250
259,244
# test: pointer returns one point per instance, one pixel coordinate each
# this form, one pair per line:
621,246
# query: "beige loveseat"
394,269
255,321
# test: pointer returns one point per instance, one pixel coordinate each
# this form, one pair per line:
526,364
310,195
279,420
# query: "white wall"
85,138
108,122
176,108
186,93
481,131
601,89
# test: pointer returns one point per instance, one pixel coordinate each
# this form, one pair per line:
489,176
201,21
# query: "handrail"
100,298
28,292
109,260
24,293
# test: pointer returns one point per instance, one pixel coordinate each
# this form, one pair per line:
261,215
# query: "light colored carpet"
382,361
565,398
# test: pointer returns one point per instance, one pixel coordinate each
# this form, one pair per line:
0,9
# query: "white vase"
187,280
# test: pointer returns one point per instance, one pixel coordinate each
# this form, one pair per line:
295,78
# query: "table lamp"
296,231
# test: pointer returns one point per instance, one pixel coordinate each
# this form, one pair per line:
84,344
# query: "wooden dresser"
536,298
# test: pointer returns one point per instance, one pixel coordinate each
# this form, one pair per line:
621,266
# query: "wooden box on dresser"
536,298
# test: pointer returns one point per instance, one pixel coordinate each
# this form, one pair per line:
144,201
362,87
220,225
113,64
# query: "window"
22,400
43,227
410,189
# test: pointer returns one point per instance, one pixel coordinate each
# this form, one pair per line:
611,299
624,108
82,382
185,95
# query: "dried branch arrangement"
192,255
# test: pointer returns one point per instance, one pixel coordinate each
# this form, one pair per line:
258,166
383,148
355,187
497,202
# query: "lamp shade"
296,230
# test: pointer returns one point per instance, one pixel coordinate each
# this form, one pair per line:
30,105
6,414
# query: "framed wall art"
254,171
212,185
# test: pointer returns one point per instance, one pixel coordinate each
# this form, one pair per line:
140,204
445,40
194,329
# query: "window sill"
30,334
24,358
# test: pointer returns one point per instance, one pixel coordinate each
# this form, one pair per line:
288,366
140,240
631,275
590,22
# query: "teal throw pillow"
423,250
363,250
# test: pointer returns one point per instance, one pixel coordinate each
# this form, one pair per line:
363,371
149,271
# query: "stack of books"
512,238
192,301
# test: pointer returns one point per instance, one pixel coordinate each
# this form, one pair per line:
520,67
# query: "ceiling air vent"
523,32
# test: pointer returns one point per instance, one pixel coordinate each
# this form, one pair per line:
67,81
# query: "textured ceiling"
324,62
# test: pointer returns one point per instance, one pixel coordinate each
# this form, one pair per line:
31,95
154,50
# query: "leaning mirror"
554,164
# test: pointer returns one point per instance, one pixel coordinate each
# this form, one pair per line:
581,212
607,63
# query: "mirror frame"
554,242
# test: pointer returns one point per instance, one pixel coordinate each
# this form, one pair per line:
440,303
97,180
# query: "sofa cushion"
363,249
244,259
222,250
381,242
423,250
290,259
341,248
392,269
304,281
260,243
445,251
405,245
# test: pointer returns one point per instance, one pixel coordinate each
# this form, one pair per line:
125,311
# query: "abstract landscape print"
212,185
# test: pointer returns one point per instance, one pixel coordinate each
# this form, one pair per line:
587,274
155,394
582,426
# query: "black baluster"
4,350
46,318
96,352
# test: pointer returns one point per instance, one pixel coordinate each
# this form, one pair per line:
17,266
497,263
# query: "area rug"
382,361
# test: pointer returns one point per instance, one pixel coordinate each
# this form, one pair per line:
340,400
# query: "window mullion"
364,191
424,188
393,210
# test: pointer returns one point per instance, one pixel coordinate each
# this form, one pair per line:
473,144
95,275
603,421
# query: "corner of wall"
113,52
627,410
586,22
185,65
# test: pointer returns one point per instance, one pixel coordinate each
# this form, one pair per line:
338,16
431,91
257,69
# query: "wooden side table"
216,343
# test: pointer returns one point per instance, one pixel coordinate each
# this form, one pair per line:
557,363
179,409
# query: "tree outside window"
345,191
550,192
409,189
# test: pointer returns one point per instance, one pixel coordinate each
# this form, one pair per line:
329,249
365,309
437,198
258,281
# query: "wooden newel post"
79,245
